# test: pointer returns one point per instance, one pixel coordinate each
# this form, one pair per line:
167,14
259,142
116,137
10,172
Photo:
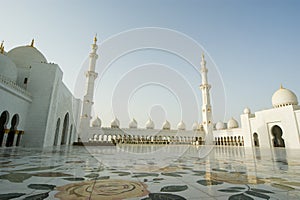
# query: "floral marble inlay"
104,189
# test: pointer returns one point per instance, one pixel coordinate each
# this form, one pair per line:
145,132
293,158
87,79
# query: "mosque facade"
274,127
36,109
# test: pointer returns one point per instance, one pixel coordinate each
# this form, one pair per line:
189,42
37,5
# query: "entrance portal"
255,139
3,121
64,135
56,132
277,140
11,135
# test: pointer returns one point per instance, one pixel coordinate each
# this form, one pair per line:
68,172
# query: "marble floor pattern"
149,172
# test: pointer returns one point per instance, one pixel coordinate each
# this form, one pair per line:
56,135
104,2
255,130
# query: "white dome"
220,125
97,122
284,97
24,56
150,124
115,123
166,125
181,125
232,123
195,126
200,127
133,123
247,111
8,68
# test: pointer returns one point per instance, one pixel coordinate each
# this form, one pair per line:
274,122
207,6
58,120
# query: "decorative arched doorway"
64,135
56,132
11,135
3,122
255,139
277,140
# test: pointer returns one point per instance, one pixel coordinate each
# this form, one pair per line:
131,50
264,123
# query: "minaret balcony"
91,74
204,86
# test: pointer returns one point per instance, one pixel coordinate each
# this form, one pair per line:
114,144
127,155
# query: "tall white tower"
87,103
206,106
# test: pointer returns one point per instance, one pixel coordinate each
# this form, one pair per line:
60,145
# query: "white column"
87,103
206,106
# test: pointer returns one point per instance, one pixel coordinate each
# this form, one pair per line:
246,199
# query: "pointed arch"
277,133
3,122
56,132
64,135
11,135
255,140
71,134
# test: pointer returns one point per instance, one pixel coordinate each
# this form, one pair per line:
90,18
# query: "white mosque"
38,110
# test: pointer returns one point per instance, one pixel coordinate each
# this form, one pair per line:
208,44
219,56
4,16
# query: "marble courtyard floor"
147,172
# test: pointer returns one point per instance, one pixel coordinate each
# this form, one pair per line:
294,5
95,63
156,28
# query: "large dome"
24,56
232,123
284,97
150,124
133,123
166,125
97,122
8,68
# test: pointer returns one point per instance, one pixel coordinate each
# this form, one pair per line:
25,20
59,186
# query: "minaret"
206,107
87,103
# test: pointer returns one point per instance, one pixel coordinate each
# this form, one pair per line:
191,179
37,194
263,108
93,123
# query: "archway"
277,140
255,139
11,135
56,132
65,130
70,134
3,122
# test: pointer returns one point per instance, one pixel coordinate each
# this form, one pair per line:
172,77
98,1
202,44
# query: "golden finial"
281,87
32,43
1,44
2,49
202,55
95,39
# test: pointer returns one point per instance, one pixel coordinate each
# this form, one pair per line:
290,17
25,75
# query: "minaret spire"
95,39
87,103
206,106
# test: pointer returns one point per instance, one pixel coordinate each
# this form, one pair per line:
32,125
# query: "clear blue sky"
255,45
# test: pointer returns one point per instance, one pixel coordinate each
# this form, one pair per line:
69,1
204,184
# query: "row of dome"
232,123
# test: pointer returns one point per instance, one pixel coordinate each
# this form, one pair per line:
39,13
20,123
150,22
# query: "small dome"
115,123
247,111
97,122
166,125
8,68
220,126
24,56
181,125
200,127
133,123
195,126
150,124
232,123
284,97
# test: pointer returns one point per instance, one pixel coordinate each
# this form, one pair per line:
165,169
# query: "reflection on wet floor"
148,172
